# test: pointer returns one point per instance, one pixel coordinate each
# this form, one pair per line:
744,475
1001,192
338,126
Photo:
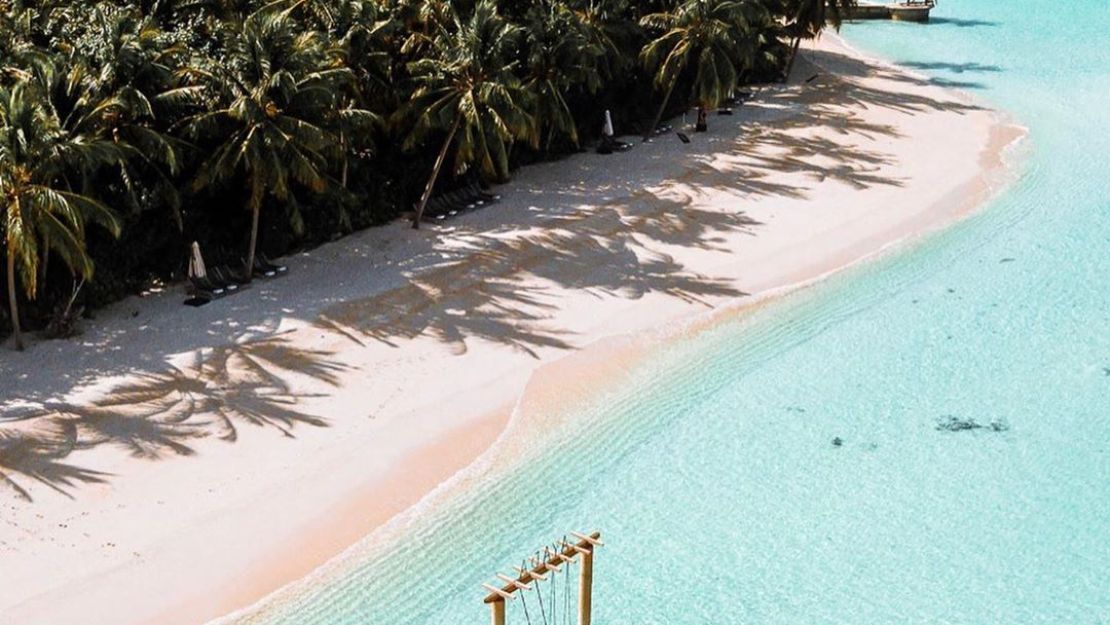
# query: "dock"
907,11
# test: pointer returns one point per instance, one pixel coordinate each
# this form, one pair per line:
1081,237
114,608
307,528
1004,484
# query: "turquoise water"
712,472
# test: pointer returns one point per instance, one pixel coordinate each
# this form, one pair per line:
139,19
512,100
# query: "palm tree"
279,92
805,19
115,87
608,27
42,213
560,55
466,86
715,36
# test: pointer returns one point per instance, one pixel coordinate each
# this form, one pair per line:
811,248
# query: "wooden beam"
498,613
534,573
519,585
590,539
568,553
497,594
579,548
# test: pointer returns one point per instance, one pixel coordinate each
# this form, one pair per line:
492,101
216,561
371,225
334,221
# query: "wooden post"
585,585
498,608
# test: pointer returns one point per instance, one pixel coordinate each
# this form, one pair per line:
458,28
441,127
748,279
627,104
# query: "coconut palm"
608,26
805,19
560,56
279,91
118,74
466,87
42,213
713,37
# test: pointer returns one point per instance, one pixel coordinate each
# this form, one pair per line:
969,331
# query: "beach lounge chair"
260,270
264,268
226,275
609,145
450,203
434,208
461,200
482,195
219,280
205,289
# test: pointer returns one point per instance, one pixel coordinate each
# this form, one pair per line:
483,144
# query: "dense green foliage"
292,122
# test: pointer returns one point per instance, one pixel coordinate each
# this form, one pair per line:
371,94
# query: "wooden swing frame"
582,550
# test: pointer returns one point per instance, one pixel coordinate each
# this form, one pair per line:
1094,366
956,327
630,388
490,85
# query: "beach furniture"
202,288
608,145
228,276
451,203
264,268
205,289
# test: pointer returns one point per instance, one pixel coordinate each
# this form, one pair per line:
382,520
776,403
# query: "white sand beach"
181,463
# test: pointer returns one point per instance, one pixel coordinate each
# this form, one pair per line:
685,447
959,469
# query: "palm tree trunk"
13,305
45,258
662,109
435,173
249,270
793,56
343,146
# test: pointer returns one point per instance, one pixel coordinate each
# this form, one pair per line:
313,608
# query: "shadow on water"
472,281
955,68
962,23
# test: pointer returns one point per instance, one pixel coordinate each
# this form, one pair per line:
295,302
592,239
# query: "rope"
566,591
524,603
554,612
539,595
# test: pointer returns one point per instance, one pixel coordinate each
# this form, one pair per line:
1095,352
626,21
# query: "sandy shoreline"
404,359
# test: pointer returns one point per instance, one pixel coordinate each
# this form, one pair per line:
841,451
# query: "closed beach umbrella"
607,130
196,263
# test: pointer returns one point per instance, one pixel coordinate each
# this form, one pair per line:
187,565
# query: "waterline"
720,446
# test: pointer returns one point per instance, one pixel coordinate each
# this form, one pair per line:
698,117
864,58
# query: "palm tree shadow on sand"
159,415
485,285
489,289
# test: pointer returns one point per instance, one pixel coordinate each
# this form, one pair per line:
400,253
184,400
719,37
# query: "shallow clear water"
713,475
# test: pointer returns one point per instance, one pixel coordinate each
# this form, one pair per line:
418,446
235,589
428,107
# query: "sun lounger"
451,203
477,191
230,277
272,265
205,289
460,200
260,270
263,268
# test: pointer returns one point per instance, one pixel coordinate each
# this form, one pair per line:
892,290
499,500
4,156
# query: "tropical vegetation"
131,128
